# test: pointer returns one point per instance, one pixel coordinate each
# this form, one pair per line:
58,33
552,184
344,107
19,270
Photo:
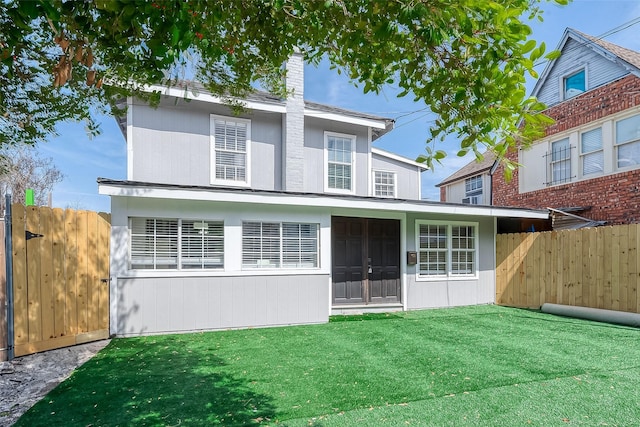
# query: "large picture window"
447,250
230,150
340,158
279,245
159,244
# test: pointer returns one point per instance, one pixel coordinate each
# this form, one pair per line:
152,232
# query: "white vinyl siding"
279,245
231,140
340,162
384,184
158,244
592,156
628,142
447,250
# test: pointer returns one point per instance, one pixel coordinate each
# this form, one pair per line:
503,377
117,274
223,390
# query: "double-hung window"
279,245
591,154
384,184
340,162
160,243
447,250
231,140
473,190
628,141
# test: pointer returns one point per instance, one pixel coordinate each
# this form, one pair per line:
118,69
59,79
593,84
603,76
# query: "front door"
366,260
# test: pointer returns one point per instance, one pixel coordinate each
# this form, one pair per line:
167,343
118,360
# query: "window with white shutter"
231,140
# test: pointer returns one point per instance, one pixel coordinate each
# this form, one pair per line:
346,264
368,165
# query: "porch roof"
124,188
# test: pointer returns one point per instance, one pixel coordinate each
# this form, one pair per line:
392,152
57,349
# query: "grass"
483,365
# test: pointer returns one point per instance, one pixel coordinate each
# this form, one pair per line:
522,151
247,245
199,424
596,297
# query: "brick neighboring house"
588,163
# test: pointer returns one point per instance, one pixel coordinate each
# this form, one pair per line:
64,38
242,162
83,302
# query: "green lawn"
484,365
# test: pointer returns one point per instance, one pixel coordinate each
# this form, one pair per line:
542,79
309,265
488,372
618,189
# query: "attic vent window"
574,84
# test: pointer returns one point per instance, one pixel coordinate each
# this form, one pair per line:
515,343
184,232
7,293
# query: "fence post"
9,267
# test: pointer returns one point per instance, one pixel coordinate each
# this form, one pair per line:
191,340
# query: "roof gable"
578,50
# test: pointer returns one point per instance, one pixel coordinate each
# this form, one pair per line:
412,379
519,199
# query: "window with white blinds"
628,142
279,245
158,244
231,141
446,250
202,244
591,153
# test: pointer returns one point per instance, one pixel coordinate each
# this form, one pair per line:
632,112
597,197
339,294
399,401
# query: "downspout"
9,267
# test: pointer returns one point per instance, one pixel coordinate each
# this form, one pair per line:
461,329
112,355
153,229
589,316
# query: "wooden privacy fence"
592,267
60,277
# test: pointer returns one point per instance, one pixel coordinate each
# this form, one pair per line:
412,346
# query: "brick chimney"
293,126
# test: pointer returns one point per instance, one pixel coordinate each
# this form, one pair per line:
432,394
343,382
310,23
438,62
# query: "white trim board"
312,200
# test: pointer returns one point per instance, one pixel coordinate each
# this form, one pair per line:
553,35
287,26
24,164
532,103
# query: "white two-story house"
284,214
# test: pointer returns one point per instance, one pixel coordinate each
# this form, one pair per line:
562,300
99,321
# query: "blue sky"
82,160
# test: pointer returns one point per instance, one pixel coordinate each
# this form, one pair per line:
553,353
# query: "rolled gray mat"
597,314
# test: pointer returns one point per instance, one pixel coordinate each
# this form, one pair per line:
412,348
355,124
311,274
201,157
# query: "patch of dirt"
25,380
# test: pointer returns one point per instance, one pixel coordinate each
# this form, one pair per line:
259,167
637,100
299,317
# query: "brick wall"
615,198
443,193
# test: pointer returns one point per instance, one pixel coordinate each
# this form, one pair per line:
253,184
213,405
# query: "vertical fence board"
59,283
623,261
34,295
93,281
20,300
71,263
600,276
607,268
104,244
615,269
593,267
46,274
82,272
632,269
553,273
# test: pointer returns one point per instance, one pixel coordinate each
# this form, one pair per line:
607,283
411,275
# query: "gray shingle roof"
630,56
471,169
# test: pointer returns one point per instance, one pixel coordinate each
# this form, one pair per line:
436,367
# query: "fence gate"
60,277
